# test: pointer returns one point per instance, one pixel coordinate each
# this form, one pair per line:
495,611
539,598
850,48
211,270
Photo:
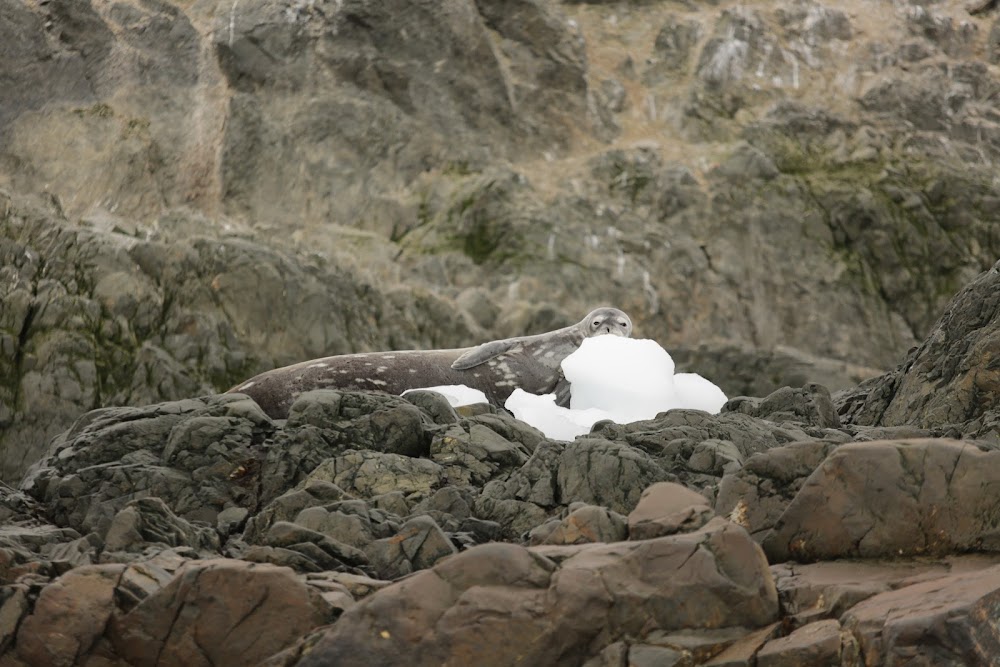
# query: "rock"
69,616
646,655
744,370
666,508
556,610
585,523
120,454
698,449
811,404
231,519
743,652
331,553
479,449
219,612
368,474
141,579
757,495
674,45
813,644
362,420
946,380
590,470
419,544
288,506
149,520
14,606
891,498
944,621
434,405
195,192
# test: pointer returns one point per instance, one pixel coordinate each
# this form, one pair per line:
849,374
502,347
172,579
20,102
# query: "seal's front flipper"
563,393
484,353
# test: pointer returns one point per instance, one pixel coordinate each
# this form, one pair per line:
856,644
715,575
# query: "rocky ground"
859,529
786,195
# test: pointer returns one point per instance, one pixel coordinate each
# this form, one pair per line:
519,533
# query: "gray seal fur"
532,363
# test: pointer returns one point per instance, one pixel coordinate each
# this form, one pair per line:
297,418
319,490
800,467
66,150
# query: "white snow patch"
456,394
621,379
555,422
696,393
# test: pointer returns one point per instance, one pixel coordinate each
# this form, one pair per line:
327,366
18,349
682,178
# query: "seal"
532,363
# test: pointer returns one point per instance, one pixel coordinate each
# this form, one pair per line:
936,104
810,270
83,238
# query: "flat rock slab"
893,498
816,645
815,591
948,621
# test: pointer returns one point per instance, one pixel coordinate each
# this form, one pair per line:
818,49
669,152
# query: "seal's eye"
596,323
622,323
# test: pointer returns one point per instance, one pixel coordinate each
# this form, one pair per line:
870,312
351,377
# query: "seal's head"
607,321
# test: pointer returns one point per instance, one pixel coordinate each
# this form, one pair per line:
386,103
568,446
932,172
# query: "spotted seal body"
495,368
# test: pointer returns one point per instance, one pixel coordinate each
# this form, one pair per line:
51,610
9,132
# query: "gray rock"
231,519
589,470
697,448
943,621
434,405
647,655
69,616
273,607
947,380
148,521
325,552
362,420
113,456
479,451
811,404
287,506
813,644
419,544
368,474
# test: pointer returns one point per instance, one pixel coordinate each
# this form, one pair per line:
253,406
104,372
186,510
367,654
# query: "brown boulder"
891,499
220,612
666,508
69,617
558,608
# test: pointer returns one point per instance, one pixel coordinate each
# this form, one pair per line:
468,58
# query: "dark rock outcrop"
951,380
